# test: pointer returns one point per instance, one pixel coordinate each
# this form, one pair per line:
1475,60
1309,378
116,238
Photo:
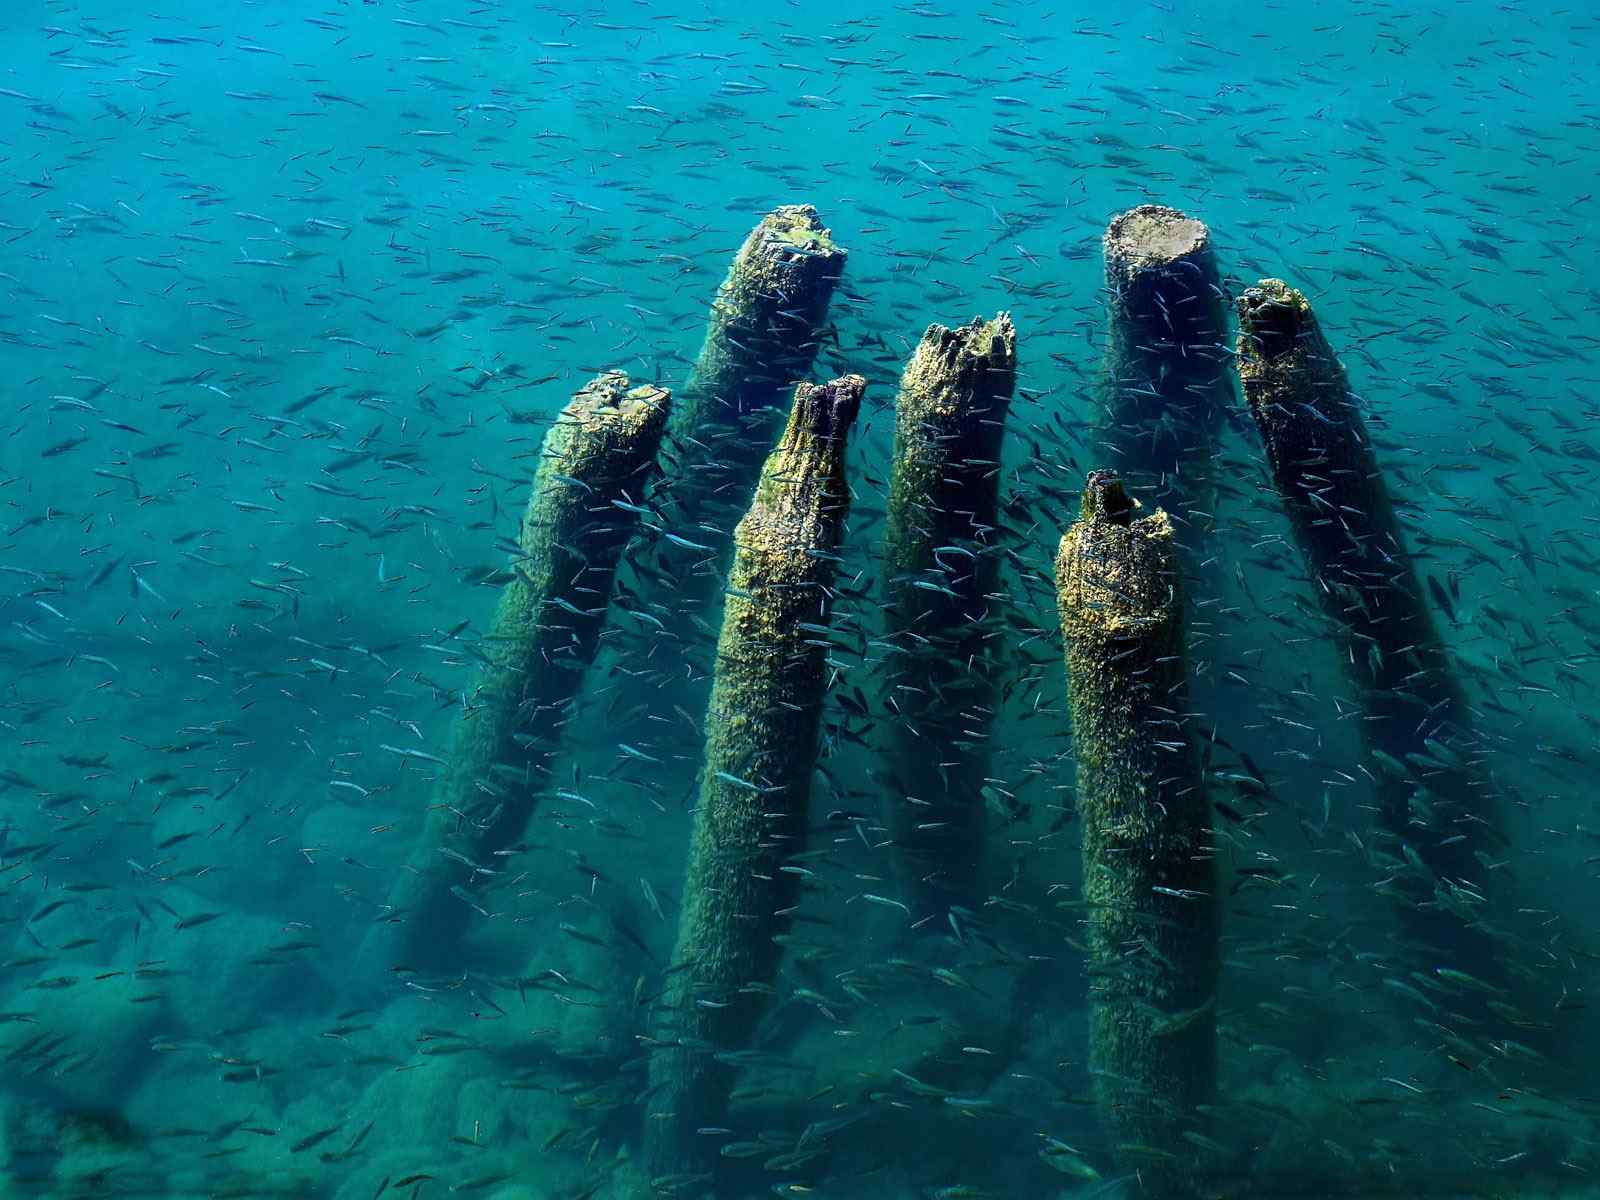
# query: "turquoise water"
291,295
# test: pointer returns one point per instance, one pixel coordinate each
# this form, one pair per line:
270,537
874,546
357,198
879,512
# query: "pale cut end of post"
801,227
1153,235
789,251
607,433
608,399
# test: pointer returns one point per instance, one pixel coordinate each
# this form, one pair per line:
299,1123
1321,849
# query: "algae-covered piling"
761,339
1166,383
1413,708
761,737
601,449
1148,872
940,565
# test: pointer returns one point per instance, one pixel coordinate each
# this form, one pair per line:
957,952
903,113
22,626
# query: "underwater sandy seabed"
214,674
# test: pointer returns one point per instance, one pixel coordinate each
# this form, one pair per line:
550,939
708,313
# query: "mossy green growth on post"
761,339
1166,384
761,739
602,448
1415,724
941,568
1149,877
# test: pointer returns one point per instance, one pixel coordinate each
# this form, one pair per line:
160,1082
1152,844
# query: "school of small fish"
290,294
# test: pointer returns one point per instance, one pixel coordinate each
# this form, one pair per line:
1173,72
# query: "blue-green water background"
251,248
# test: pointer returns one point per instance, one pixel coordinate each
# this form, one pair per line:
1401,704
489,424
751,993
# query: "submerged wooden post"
761,739
1167,387
941,569
761,339
1149,878
1415,721
600,451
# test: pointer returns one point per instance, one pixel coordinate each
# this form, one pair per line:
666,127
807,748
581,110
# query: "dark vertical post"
1415,721
1149,878
761,339
601,450
1167,387
760,750
941,569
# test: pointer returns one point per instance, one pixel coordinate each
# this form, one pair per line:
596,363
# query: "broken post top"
789,247
799,509
802,482
607,401
608,432
958,377
1275,320
1292,378
1116,577
799,225
1105,499
1154,237
824,412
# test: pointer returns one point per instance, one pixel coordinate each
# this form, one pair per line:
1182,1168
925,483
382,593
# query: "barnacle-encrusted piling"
761,738
1148,871
1166,383
601,449
941,566
1415,721
761,340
